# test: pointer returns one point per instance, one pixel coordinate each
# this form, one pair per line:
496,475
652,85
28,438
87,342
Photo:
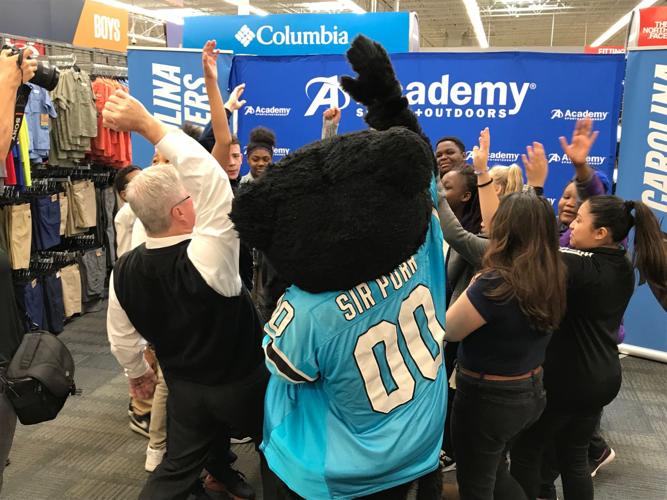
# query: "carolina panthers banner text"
522,97
642,175
170,84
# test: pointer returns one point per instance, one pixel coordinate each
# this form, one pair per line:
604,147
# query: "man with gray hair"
182,291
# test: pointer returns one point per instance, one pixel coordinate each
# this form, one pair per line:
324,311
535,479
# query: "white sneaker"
153,458
246,439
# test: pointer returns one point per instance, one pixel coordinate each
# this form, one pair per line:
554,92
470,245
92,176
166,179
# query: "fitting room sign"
102,27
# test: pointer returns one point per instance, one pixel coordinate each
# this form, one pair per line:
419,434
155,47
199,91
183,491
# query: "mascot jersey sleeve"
357,396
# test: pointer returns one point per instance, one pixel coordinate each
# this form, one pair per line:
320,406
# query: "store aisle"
89,452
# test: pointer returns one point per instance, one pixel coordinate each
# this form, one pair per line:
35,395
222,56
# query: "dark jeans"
570,434
430,488
198,419
486,418
550,471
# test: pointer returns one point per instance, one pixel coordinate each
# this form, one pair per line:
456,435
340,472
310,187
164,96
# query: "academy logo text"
268,35
497,157
594,161
436,99
267,111
571,114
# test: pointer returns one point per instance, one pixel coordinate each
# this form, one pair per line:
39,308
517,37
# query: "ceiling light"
473,14
352,6
253,10
172,18
620,23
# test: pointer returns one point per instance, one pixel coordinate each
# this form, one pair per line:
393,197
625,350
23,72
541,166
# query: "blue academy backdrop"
642,175
170,83
297,34
522,97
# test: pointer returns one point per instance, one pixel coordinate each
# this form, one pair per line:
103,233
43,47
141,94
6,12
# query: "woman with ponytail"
582,372
507,180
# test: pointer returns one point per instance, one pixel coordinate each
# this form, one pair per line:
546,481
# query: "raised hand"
124,113
583,139
536,165
333,115
480,154
209,60
234,103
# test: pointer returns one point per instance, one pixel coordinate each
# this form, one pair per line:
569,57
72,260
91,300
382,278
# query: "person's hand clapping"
480,154
209,60
234,103
333,115
143,387
583,139
536,165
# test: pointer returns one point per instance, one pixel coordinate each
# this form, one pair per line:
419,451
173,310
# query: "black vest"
199,335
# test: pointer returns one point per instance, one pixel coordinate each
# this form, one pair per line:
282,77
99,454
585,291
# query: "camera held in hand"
45,77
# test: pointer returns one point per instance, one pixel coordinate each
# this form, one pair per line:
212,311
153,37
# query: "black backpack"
39,378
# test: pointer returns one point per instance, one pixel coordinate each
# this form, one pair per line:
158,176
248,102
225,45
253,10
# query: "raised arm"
586,179
488,199
330,121
470,246
537,167
223,137
214,248
11,77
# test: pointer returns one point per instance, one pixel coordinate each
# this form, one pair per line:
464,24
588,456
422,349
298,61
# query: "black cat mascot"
355,406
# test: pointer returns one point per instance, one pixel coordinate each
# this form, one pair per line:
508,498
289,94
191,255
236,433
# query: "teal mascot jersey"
357,396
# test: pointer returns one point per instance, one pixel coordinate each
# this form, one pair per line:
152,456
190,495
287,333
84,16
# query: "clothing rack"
105,70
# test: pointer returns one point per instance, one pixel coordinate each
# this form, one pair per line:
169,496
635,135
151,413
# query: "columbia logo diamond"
245,35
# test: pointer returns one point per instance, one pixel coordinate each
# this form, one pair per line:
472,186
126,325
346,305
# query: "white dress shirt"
213,248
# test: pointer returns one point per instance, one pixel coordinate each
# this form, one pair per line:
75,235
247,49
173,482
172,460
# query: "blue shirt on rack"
37,113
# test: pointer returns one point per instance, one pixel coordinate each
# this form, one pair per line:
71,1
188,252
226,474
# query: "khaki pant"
64,208
20,235
158,429
71,283
85,214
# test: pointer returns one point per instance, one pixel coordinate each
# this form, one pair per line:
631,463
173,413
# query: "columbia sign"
440,99
570,114
268,35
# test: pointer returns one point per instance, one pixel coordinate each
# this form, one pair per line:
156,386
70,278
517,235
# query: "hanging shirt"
37,113
10,178
357,397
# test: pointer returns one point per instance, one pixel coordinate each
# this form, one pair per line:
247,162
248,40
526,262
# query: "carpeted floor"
89,453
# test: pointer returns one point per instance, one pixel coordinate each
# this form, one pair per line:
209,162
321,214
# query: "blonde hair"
508,179
152,194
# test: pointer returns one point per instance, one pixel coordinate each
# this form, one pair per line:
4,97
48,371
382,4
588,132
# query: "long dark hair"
523,251
471,216
650,254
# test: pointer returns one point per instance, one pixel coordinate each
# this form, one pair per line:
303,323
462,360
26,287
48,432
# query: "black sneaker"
447,464
139,423
608,456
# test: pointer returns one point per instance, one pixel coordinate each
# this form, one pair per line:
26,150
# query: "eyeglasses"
177,204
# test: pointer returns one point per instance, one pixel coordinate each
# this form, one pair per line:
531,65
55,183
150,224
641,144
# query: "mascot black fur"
351,208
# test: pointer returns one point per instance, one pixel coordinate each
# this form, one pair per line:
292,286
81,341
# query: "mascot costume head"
351,208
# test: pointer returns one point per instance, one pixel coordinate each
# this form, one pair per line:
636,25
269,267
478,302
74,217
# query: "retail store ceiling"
445,23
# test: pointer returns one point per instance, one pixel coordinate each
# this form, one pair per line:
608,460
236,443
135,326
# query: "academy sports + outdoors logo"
273,111
594,161
438,99
570,114
267,35
498,156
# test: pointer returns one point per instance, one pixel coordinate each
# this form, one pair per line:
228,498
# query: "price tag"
58,275
34,283
44,120
98,253
54,197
